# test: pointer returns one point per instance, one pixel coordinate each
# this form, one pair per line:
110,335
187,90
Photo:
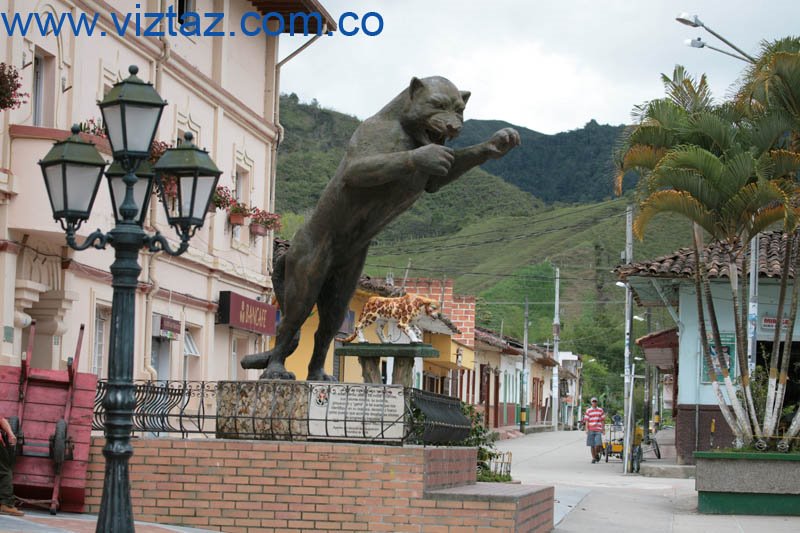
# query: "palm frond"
687,92
784,88
719,134
786,163
690,182
739,169
652,135
768,130
676,202
695,158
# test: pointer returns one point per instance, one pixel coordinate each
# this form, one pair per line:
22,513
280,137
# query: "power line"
532,277
526,223
501,239
551,302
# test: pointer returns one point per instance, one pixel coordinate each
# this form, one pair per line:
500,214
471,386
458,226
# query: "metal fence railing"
292,410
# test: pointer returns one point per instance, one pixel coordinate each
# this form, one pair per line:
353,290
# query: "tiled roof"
491,338
512,346
681,264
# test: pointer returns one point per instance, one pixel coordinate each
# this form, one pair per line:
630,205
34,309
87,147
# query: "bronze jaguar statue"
392,158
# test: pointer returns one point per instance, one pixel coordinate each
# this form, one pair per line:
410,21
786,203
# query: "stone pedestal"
291,410
370,354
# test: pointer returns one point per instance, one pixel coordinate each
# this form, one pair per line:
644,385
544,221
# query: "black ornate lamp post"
72,172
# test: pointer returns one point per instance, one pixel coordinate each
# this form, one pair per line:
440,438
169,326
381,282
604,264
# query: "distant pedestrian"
594,419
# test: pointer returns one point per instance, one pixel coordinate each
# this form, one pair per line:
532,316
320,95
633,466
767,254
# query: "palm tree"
718,168
732,196
664,124
772,84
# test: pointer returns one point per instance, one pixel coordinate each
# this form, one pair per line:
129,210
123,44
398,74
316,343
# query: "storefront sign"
171,325
769,322
245,313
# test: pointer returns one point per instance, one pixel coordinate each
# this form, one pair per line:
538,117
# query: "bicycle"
643,445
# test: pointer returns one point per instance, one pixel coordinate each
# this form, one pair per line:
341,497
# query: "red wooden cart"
52,412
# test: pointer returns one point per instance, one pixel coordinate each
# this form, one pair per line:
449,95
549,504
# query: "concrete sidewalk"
43,522
599,497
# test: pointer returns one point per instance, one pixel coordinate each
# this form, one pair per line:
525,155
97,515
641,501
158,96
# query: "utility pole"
752,311
627,442
523,380
556,332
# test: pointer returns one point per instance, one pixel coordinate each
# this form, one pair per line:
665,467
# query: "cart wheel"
59,445
656,449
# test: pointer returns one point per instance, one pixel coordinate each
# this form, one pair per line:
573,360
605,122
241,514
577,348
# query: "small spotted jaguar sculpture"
404,309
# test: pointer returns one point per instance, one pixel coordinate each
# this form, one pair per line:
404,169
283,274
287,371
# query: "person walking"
7,456
594,421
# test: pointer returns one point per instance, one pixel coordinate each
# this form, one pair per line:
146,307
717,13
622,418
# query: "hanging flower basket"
221,199
236,219
262,221
258,230
237,213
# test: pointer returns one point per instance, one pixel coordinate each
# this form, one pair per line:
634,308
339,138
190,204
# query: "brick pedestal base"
234,485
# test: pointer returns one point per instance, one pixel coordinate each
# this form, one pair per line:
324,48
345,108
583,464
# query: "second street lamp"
72,172
141,189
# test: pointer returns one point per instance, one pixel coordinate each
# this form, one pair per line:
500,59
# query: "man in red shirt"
594,420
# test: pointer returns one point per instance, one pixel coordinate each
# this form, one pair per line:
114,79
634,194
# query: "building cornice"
200,84
9,247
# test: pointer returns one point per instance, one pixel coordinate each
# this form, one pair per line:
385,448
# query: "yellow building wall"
298,362
351,369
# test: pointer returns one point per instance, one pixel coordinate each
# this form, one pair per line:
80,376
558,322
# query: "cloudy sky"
547,65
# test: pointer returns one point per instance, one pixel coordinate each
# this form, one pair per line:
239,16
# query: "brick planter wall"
685,431
235,485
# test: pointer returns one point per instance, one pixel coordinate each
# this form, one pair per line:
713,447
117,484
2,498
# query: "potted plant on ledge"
262,221
237,212
221,199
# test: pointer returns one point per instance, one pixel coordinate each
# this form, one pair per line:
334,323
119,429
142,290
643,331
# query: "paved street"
589,497
599,497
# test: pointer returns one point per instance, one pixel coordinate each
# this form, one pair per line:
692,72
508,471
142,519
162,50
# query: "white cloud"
549,66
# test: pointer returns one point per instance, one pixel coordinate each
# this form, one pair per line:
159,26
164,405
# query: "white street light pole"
628,390
554,392
695,22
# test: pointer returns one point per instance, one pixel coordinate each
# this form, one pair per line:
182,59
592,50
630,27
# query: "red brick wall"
685,431
459,309
450,467
231,485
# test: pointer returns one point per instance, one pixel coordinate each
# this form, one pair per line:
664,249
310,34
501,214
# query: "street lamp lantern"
689,20
697,42
141,189
131,113
72,171
195,176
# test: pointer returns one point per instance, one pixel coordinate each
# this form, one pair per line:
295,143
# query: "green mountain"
568,167
314,144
